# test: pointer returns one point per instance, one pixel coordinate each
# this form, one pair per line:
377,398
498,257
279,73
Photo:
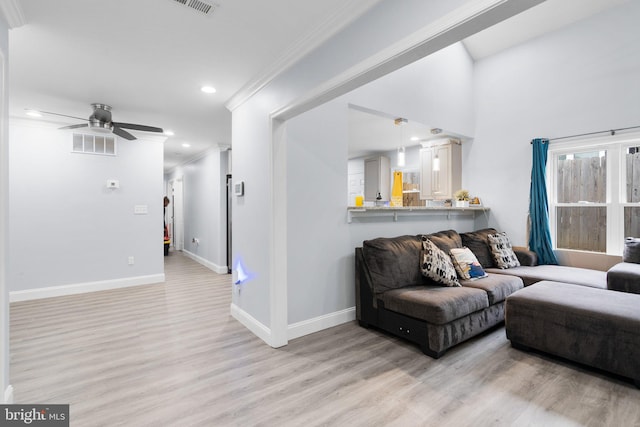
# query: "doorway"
229,202
176,214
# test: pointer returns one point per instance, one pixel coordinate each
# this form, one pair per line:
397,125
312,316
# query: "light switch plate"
140,210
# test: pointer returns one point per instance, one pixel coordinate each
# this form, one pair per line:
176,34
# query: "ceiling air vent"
94,144
199,6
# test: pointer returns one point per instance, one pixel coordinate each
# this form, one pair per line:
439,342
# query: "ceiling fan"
100,120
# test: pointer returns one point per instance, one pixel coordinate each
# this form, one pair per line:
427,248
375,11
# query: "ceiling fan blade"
64,115
83,125
138,127
123,133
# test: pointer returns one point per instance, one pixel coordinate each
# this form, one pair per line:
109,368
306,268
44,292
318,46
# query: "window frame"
616,147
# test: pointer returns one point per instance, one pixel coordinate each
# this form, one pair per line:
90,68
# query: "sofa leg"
521,347
435,354
363,324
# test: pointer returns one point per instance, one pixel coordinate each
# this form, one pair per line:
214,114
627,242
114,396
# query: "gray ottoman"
596,327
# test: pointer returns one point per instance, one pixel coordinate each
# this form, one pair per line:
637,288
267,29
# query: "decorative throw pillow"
502,251
631,250
477,242
437,266
467,264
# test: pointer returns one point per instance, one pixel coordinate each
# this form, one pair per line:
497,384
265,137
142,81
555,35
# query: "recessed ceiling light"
208,89
33,113
415,138
169,132
185,145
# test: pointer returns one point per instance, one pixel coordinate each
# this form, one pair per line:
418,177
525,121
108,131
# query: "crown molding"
12,13
349,11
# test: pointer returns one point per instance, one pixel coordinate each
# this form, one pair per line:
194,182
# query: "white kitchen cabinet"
377,178
441,171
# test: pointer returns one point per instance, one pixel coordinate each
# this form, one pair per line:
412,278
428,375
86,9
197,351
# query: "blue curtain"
539,235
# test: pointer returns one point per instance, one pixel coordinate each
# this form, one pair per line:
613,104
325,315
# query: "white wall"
204,208
582,78
4,207
436,90
320,245
67,227
252,216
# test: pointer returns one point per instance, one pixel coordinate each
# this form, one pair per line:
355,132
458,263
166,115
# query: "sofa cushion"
558,273
393,262
497,286
631,250
502,252
624,277
446,240
477,242
437,265
435,304
466,264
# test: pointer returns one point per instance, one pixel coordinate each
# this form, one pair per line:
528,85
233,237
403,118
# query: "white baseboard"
81,288
306,327
210,265
249,322
295,330
8,395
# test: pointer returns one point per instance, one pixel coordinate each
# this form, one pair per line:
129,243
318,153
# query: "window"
594,193
632,177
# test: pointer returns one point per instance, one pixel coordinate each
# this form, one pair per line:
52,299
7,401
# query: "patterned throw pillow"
436,265
502,251
467,264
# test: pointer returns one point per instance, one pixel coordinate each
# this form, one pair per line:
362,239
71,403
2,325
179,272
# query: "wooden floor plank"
171,355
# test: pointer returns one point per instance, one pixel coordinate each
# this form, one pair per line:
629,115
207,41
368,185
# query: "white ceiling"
541,19
149,58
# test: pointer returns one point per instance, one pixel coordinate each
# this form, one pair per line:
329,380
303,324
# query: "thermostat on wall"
238,188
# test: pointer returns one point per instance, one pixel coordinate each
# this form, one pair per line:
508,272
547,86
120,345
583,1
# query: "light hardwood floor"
171,355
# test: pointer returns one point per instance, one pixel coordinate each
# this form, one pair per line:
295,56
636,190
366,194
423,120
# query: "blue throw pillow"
466,264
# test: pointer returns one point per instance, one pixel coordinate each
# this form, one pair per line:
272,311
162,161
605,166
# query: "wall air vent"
199,6
94,144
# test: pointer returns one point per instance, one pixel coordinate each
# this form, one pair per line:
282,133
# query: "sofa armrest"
525,256
624,277
366,302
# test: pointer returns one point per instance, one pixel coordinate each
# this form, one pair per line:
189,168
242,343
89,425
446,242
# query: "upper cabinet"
441,170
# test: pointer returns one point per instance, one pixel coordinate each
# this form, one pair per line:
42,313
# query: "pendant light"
401,159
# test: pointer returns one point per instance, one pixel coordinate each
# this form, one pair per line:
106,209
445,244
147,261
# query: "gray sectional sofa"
393,295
